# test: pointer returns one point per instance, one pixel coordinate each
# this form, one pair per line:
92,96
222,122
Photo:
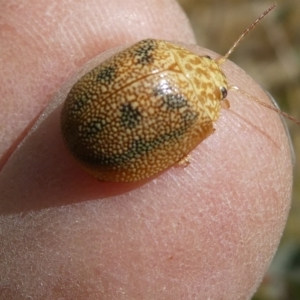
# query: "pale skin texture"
207,231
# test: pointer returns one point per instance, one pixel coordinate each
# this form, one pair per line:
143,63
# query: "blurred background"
271,55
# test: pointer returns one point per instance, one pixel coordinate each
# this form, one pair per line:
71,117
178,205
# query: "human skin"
205,231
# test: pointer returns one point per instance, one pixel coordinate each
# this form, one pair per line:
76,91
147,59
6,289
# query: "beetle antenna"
222,59
235,88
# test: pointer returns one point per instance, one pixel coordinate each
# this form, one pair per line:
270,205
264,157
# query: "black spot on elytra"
91,127
171,99
144,53
80,102
106,75
130,117
174,101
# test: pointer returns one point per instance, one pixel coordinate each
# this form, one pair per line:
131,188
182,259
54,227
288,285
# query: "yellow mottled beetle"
144,109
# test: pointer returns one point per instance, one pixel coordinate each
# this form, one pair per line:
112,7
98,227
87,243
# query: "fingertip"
218,211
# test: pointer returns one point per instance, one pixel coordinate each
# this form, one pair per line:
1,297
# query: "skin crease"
207,231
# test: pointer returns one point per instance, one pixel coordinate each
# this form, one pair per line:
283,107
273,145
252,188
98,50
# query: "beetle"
145,109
